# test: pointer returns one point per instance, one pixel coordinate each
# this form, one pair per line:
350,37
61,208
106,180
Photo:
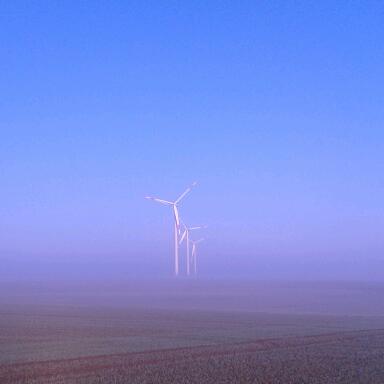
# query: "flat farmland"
191,332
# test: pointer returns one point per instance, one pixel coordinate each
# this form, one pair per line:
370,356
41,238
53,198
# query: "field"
191,332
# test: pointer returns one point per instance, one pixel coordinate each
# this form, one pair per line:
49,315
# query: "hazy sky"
274,107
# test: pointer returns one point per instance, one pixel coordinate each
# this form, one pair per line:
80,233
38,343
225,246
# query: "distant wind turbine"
185,236
174,205
193,254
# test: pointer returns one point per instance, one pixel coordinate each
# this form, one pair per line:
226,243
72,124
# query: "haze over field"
232,296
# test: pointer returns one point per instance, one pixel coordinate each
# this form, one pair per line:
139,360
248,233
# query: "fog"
234,296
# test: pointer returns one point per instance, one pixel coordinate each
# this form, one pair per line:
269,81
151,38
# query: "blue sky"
275,108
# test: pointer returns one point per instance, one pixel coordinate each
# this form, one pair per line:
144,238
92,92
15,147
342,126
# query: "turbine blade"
199,241
165,202
199,227
176,214
183,237
185,192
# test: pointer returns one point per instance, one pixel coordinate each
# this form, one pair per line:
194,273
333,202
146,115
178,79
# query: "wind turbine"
194,242
185,236
174,205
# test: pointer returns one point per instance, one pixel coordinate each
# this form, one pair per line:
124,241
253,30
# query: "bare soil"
60,338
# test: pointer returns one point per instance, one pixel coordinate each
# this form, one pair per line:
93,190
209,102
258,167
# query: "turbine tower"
174,205
185,236
194,242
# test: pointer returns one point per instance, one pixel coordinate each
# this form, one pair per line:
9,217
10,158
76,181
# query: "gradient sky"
274,107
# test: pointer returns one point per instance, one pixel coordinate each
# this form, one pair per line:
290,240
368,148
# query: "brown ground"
349,357
57,339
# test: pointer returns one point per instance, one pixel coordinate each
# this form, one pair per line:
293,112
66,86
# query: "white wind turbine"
185,236
174,205
193,254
